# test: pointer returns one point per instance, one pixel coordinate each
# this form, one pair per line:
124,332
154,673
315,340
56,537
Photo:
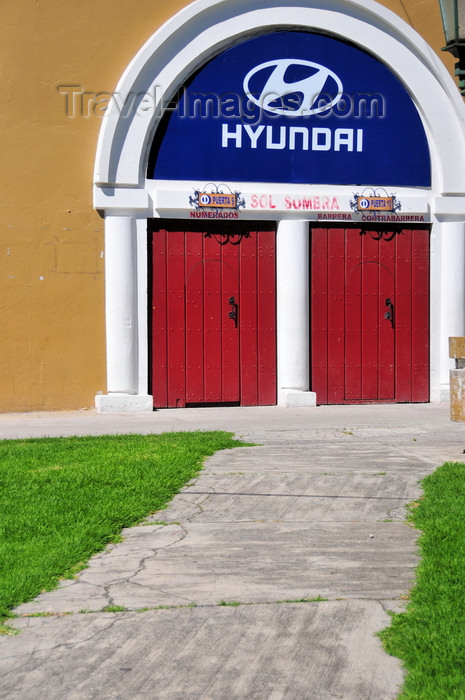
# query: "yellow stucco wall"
52,348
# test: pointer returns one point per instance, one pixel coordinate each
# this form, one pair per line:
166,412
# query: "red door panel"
404,318
248,321
420,314
369,314
160,321
230,326
176,318
336,313
194,319
266,318
370,321
213,304
352,325
319,315
386,326
220,346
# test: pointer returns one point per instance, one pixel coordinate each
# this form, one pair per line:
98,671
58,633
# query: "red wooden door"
214,317
370,314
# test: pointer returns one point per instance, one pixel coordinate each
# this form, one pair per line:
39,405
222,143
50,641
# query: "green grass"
231,603
430,635
64,499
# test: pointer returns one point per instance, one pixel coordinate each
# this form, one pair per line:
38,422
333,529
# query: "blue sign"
293,107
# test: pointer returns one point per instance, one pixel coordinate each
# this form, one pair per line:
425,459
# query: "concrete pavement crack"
385,608
39,653
170,544
156,589
199,505
187,603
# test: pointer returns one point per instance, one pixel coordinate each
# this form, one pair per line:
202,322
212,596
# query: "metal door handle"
234,310
389,315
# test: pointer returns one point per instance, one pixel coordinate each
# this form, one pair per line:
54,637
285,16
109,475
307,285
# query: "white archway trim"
207,27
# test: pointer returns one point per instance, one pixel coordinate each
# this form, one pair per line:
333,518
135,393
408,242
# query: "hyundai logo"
293,87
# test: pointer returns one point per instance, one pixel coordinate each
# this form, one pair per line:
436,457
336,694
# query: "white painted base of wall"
123,403
444,395
127,403
296,398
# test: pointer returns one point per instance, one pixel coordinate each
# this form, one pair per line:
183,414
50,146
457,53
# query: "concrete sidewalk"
316,510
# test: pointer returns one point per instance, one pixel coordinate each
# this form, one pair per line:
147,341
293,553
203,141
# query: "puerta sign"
293,107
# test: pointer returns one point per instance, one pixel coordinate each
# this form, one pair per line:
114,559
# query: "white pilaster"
142,305
121,318
447,300
292,261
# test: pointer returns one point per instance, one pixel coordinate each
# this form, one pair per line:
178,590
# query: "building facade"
278,206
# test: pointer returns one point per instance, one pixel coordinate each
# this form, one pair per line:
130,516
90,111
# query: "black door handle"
233,313
389,315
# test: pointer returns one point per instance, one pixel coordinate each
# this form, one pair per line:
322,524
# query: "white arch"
198,32
207,27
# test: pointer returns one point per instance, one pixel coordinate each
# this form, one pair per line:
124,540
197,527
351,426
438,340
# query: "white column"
121,304
447,300
142,306
292,261
121,318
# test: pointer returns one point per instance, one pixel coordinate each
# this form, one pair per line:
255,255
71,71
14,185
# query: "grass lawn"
430,636
64,499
